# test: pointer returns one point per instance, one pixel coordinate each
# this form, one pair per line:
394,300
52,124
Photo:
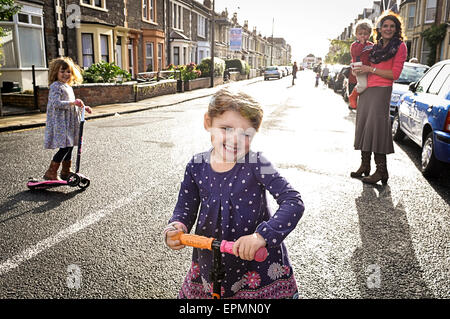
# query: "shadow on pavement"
48,200
440,184
385,264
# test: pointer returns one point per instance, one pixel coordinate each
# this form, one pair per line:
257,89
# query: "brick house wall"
50,31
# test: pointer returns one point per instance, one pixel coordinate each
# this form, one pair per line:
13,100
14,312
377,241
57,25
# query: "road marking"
51,241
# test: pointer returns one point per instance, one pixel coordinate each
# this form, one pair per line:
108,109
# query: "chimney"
207,3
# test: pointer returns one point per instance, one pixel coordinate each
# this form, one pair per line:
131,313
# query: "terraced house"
420,15
137,35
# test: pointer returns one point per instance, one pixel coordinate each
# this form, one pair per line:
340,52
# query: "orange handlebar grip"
196,241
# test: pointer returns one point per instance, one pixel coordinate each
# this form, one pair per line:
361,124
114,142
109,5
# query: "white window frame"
418,12
411,17
201,26
92,5
151,56
177,16
160,54
430,8
148,11
83,52
29,11
422,52
107,37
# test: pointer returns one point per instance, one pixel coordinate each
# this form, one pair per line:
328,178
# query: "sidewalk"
19,122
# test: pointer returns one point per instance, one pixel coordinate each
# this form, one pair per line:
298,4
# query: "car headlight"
395,97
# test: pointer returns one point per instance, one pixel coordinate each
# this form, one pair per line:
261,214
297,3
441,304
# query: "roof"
178,35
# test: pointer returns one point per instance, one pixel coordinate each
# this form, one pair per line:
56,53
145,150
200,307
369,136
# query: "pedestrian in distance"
294,72
317,79
373,127
228,183
63,115
360,51
325,73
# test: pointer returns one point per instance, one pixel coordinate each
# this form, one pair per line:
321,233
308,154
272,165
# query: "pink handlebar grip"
227,247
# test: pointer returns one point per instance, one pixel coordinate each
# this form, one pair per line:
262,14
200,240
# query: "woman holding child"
373,127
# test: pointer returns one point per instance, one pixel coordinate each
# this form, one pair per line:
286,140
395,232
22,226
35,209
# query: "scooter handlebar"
203,242
227,247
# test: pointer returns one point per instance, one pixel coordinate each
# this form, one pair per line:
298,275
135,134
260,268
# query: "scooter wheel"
84,183
73,180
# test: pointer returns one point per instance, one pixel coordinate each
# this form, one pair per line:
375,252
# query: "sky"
306,25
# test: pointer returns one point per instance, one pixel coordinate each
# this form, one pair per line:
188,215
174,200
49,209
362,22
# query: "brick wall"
95,94
106,93
18,100
199,83
149,90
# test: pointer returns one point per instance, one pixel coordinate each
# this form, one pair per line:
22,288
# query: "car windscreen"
411,74
271,68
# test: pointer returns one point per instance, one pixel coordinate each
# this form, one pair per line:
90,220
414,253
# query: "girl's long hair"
390,15
64,63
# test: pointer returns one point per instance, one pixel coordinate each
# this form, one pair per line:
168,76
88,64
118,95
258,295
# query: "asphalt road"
354,241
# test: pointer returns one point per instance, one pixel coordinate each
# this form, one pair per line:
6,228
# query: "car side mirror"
413,86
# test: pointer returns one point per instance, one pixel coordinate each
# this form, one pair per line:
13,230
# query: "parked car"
424,116
338,84
411,72
272,72
334,72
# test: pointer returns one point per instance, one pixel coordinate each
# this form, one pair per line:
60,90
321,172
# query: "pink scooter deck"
45,184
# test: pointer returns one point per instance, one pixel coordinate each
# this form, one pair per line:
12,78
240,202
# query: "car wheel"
429,163
397,133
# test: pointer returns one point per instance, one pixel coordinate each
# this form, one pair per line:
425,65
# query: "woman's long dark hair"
389,15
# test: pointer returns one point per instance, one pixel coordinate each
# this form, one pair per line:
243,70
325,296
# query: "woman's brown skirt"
373,125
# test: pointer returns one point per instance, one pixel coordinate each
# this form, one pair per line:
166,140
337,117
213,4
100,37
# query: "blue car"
423,116
411,72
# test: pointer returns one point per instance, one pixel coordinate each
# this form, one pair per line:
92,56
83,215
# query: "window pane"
98,3
104,47
87,48
149,57
439,80
31,50
176,55
87,1
36,20
160,48
23,18
430,10
8,56
144,8
424,84
412,12
152,17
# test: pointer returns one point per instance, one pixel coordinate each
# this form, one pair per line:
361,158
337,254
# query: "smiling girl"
63,115
228,183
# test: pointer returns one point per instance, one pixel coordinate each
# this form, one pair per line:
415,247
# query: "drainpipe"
168,32
58,44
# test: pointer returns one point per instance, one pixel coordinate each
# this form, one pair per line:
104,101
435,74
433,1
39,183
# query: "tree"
7,9
339,52
434,36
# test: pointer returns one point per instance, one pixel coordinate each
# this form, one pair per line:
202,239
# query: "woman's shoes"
381,173
364,169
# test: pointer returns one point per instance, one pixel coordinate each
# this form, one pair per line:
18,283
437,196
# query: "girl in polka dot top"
224,194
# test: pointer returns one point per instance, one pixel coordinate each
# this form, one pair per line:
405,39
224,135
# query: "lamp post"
271,48
212,43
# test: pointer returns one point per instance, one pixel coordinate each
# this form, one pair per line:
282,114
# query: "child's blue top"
234,204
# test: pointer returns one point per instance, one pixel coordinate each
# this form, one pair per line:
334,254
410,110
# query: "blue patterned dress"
63,119
234,204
